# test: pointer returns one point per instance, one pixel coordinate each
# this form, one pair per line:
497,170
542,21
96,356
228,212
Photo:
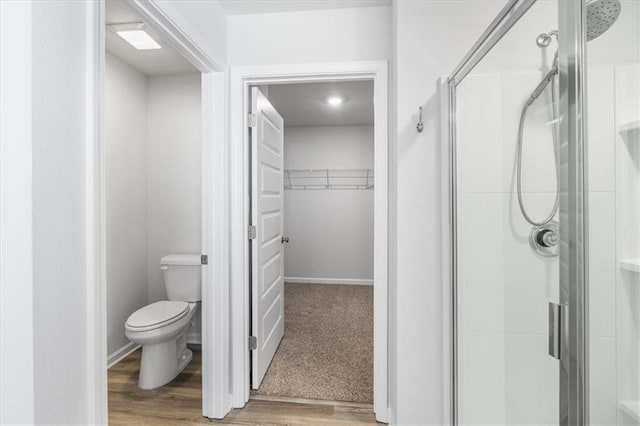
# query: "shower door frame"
572,187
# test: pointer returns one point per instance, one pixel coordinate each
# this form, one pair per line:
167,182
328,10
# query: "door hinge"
253,343
253,119
557,329
204,259
253,232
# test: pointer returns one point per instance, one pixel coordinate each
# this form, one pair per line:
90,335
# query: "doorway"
312,155
153,208
243,79
210,81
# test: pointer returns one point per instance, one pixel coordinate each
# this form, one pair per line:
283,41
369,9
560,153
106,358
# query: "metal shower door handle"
557,328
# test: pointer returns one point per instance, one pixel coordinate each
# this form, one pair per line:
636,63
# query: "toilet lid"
158,314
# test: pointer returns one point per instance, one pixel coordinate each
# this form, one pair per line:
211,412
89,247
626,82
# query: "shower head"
601,15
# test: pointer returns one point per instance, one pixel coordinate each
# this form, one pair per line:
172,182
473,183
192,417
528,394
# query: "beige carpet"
327,349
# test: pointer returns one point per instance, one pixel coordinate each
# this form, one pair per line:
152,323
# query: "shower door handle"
557,329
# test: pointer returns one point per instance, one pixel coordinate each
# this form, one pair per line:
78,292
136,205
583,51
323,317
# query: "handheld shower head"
544,39
601,15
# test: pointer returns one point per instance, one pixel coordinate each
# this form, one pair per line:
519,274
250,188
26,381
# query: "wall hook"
420,125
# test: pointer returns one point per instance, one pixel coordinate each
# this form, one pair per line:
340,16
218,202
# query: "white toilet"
161,327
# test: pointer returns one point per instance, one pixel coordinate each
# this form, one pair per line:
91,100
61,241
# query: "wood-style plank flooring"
179,402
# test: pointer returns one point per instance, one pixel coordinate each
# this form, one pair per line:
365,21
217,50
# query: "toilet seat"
156,315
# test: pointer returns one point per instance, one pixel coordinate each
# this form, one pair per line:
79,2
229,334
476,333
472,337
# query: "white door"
266,214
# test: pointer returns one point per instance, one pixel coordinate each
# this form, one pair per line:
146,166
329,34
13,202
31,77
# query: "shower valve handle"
547,238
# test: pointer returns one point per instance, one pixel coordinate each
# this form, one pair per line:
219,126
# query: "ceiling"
238,7
149,62
305,104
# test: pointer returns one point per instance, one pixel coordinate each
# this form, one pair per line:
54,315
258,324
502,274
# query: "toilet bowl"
161,327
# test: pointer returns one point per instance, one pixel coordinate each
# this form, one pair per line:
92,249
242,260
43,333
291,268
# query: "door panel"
266,215
505,192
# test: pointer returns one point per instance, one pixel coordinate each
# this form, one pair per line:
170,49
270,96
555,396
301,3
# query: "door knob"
284,240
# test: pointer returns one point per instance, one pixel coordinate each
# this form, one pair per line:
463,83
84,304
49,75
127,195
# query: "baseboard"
343,281
306,401
194,338
121,354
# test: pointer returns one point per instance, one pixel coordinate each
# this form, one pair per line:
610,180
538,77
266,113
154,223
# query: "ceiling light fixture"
335,100
136,35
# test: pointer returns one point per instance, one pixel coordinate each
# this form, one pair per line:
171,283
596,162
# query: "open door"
267,283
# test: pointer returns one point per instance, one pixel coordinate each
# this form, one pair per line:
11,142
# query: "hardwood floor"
179,403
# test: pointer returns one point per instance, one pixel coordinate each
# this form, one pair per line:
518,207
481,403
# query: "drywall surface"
60,281
204,22
59,213
173,172
152,131
16,248
310,36
126,191
330,231
424,54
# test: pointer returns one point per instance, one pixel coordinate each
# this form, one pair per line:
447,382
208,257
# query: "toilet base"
162,362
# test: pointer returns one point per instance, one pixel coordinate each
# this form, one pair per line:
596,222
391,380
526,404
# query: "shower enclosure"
543,135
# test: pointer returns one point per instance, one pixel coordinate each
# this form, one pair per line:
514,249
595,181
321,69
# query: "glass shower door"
545,196
507,222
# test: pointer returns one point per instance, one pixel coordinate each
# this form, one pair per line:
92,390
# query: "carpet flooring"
327,348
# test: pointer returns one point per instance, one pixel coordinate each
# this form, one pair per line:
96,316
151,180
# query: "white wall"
330,231
16,248
59,213
309,36
203,21
174,205
424,54
126,192
173,177
60,306
153,186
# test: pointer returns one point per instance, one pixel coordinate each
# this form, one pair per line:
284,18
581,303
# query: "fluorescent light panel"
135,35
334,100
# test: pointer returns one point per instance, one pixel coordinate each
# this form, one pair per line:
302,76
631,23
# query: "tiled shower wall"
505,374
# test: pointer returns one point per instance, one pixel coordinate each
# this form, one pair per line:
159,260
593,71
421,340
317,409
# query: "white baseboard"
194,338
121,354
348,281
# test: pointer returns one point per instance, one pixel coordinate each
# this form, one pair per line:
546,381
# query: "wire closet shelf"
318,179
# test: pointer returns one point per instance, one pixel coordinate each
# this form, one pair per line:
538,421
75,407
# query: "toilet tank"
182,277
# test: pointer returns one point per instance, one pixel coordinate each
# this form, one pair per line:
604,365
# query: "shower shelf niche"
632,265
631,409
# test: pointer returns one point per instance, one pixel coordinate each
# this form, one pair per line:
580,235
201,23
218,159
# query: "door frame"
214,193
240,81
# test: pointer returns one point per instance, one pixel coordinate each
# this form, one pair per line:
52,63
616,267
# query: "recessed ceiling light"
335,100
135,35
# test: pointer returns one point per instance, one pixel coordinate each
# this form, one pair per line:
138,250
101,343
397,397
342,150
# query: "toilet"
161,327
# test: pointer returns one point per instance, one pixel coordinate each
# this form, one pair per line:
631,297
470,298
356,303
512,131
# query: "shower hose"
519,146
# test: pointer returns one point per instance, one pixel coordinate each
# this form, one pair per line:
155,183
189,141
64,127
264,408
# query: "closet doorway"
312,182
309,287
